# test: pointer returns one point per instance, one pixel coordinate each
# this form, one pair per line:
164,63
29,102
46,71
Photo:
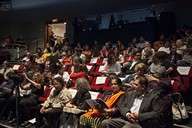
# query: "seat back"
99,82
47,91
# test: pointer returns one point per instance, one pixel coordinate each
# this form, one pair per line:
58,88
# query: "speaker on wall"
167,23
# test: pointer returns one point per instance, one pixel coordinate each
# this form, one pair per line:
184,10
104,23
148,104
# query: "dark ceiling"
48,9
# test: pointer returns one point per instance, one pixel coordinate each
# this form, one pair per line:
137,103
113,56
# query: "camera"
16,77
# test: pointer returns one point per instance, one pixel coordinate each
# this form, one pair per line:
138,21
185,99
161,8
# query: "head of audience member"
161,44
173,49
111,59
147,52
159,56
6,64
162,37
108,45
38,50
159,72
65,47
37,77
134,40
78,51
147,44
140,85
137,55
68,53
82,85
58,83
86,47
28,65
77,61
179,43
116,84
141,39
140,69
167,43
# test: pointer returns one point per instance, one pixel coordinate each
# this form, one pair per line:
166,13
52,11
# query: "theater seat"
99,82
47,91
98,71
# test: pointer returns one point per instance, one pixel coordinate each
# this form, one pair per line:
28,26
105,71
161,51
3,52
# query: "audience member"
78,53
174,56
181,47
140,70
140,109
113,99
78,102
52,108
112,66
128,67
6,70
165,47
107,50
141,43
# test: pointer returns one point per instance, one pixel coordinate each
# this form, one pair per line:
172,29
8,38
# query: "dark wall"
126,33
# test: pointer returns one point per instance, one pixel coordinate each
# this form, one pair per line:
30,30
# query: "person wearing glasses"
139,110
128,67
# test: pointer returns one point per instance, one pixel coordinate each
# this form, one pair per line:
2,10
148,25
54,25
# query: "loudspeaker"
167,23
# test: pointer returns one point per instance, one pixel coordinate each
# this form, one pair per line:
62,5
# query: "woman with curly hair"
77,103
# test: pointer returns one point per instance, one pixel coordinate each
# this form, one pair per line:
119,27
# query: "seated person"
6,70
78,102
52,108
113,99
25,101
78,70
128,67
174,56
112,67
187,57
140,70
139,110
160,84
67,58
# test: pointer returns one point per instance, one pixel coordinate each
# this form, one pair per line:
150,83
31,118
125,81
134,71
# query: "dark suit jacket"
149,109
125,69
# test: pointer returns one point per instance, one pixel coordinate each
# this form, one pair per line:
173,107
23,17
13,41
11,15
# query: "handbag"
179,111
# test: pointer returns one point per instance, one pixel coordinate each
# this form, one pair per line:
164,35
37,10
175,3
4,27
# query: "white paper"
93,60
32,121
66,76
89,67
100,80
93,94
73,92
16,67
105,60
183,70
101,68
122,78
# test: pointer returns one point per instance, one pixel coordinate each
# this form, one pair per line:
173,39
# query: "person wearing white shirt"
140,109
